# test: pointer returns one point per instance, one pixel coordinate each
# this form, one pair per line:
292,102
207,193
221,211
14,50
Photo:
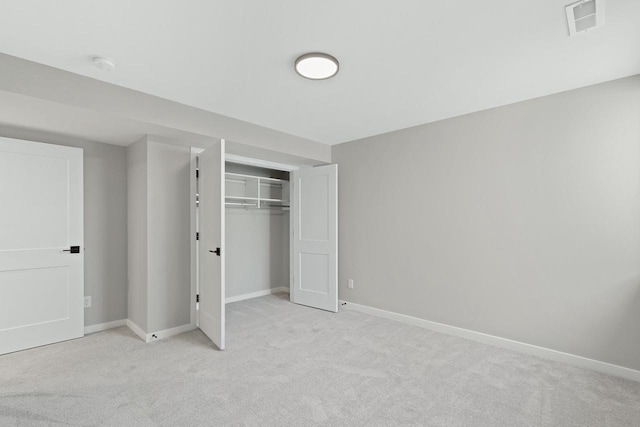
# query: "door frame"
195,244
193,190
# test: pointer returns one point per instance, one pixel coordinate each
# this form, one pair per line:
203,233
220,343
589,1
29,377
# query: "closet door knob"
217,251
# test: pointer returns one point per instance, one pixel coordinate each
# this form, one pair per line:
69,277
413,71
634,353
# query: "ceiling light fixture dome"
104,63
317,66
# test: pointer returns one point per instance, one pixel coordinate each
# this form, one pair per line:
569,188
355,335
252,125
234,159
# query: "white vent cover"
584,15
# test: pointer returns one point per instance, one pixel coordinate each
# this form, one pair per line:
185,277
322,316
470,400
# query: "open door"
211,219
315,237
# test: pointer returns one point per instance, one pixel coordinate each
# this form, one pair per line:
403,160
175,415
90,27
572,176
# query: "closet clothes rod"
236,181
262,180
254,205
241,204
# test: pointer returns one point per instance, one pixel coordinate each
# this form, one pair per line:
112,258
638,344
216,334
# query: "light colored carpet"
291,365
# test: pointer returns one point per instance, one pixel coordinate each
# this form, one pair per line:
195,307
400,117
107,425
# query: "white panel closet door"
211,221
41,216
315,237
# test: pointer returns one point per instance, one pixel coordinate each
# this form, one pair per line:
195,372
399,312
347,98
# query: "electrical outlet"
87,302
350,283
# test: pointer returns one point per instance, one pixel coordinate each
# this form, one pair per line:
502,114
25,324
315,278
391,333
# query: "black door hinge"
197,173
197,236
198,298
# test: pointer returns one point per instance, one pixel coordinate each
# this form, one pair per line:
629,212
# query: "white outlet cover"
87,302
350,283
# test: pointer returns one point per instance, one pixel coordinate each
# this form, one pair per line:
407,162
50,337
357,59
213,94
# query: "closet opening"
260,228
257,228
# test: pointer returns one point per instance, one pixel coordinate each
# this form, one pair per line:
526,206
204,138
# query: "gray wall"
169,239
105,223
137,266
521,221
131,112
257,243
159,235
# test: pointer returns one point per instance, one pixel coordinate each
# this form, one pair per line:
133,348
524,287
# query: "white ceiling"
403,63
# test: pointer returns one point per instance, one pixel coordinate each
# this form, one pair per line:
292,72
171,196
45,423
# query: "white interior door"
211,222
41,219
315,237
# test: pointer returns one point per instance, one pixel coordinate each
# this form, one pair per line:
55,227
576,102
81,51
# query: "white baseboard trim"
91,329
137,330
547,353
166,333
154,336
243,297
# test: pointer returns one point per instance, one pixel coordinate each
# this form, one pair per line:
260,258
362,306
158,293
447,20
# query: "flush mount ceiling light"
317,66
104,63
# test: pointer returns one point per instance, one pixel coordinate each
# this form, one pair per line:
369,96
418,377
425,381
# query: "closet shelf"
258,199
261,178
249,191
258,205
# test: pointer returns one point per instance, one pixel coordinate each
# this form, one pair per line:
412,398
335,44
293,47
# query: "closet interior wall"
257,242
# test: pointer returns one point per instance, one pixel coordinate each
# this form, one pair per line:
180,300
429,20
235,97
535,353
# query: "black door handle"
217,251
73,250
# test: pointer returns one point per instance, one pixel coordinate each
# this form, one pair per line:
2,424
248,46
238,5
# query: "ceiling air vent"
584,15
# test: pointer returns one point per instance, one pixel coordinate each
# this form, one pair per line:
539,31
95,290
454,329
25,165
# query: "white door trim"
193,189
250,161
